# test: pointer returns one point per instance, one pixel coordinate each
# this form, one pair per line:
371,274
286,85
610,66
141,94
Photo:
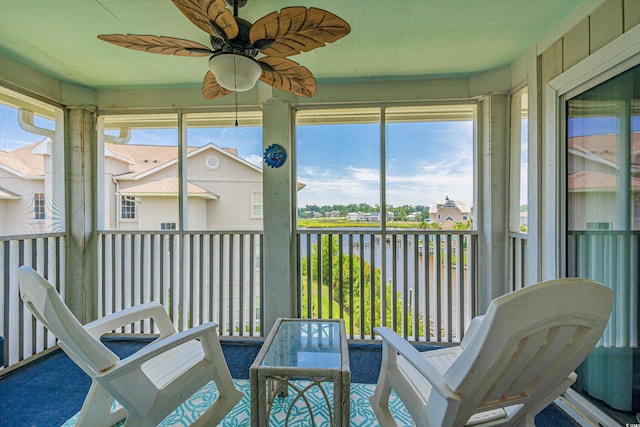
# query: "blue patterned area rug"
240,415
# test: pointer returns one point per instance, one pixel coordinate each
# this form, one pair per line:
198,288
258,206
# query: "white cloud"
361,185
256,159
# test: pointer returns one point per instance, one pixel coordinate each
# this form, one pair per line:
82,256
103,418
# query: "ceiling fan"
242,52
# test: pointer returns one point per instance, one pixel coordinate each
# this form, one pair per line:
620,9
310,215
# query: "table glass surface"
305,344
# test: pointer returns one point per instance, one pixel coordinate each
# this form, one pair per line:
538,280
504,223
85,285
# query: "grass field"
343,223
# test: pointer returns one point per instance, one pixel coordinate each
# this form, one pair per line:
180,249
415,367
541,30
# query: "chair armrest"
149,310
431,374
156,348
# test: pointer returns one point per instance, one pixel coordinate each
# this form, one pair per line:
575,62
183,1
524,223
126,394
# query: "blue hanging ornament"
275,156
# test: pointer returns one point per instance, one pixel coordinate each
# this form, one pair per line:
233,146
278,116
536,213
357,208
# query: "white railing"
424,282
23,336
428,293
198,276
517,260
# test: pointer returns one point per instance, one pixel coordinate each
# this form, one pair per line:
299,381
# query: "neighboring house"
448,212
224,191
140,187
23,205
594,178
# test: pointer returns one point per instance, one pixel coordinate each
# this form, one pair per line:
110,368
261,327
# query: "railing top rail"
357,230
31,236
177,232
518,235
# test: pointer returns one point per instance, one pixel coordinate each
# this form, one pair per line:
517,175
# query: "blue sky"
11,135
339,164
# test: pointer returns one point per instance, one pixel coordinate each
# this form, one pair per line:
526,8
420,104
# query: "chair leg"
380,400
96,410
228,395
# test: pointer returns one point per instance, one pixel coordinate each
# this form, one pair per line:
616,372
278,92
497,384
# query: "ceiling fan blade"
211,16
211,89
288,75
157,44
296,29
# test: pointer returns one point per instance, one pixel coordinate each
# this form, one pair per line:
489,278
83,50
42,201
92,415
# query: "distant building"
448,212
414,216
354,216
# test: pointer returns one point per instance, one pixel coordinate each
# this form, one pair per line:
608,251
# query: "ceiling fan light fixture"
234,71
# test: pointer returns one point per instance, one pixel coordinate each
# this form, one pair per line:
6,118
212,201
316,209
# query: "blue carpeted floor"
51,390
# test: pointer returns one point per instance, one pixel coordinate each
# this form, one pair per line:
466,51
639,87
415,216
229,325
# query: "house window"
449,218
168,226
212,163
128,207
256,205
38,206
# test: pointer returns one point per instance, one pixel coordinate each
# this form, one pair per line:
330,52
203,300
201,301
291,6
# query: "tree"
349,288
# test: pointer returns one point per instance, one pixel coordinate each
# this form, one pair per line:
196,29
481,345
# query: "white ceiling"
389,39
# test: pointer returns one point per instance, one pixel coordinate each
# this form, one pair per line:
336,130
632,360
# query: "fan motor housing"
239,3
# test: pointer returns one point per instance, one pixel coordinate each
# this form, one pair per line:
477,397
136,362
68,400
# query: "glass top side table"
301,348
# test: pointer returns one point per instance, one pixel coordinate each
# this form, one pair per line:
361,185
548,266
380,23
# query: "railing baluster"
241,285
320,278
361,289
330,273
427,286
458,318
252,293
415,299
437,269
372,286
341,273
449,288
351,319
406,302
394,285
230,294
309,279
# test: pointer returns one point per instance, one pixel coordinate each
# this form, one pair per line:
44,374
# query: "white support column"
279,272
81,247
534,178
494,190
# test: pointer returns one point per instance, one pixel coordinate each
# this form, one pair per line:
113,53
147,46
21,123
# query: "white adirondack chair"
511,364
149,384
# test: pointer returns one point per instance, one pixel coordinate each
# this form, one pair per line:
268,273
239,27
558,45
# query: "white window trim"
44,208
135,212
251,214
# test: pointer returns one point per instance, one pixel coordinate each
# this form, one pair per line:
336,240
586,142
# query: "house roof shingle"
167,187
